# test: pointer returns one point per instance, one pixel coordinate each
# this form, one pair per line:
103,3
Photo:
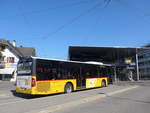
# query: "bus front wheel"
68,88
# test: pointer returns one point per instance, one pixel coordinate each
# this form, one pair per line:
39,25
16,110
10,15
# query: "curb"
82,101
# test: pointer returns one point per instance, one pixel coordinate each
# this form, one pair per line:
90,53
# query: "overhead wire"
57,7
106,2
26,20
96,21
77,17
74,19
23,14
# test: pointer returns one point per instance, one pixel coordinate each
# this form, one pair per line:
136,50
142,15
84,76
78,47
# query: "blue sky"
51,26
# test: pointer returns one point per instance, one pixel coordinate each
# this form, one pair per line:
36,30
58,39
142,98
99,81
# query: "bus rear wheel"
103,83
68,88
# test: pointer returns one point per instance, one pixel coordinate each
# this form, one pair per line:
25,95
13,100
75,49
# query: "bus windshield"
24,68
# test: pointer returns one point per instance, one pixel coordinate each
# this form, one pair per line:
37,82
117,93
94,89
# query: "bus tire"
103,84
68,88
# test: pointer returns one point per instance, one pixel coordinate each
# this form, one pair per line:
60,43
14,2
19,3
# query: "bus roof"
89,62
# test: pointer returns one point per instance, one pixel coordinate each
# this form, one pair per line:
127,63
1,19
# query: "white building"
11,55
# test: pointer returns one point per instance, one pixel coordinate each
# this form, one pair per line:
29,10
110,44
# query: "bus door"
81,81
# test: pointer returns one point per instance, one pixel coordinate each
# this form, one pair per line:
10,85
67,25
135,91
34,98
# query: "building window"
2,48
10,59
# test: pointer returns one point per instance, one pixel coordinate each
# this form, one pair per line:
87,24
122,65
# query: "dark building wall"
116,56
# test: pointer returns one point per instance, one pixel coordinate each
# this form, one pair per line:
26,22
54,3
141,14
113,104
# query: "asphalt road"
134,101
6,87
139,98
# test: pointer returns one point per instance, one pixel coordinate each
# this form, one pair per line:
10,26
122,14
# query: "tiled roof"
26,51
19,51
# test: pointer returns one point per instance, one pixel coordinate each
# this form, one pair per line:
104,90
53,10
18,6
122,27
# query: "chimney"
14,43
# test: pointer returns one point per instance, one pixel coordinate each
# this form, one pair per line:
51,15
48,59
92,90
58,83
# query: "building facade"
144,63
131,63
10,57
123,59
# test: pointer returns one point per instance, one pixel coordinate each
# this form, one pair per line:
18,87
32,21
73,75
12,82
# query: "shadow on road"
28,96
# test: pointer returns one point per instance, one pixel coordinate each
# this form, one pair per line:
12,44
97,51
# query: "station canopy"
100,54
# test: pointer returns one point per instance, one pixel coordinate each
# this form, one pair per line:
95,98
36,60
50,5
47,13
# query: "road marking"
12,102
78,102
5,95
121,91
8,95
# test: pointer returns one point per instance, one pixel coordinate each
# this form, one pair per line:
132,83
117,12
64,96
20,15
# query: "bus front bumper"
24,91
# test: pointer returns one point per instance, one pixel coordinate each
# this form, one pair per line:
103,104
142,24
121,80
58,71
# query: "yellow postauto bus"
40,76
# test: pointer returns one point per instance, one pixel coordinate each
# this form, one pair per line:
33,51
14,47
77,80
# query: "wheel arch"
105,83
69,82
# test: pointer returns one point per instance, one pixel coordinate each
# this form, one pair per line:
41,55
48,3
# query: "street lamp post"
137,66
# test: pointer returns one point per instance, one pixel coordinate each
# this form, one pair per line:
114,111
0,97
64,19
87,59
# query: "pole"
137,66
115,74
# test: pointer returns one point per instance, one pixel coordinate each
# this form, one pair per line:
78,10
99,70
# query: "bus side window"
101,72
58,75
70,75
